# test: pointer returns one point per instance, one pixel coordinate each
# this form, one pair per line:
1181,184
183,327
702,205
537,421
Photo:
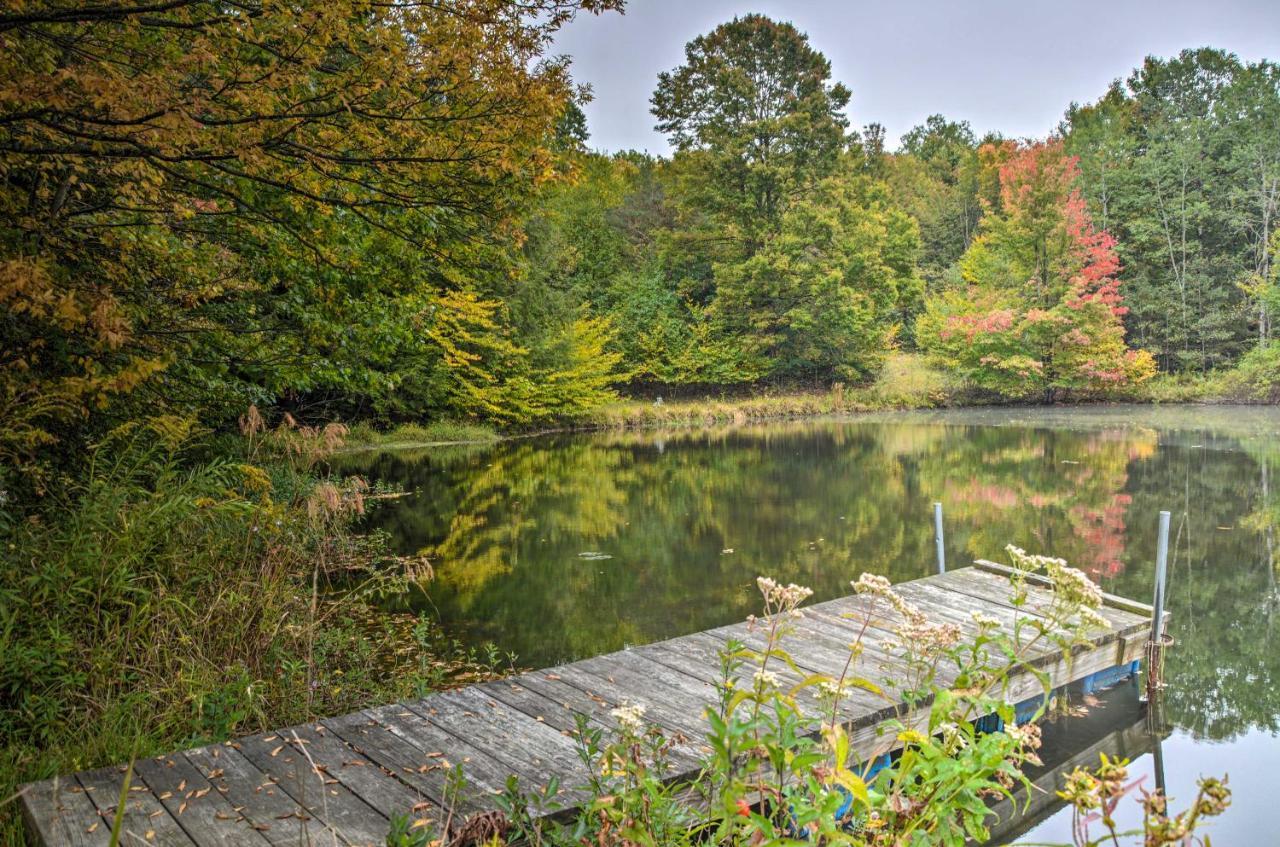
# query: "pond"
562,547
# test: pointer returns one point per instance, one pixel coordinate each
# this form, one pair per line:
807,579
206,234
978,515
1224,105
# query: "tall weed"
158,602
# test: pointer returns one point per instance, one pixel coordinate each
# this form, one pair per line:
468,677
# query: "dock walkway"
340,780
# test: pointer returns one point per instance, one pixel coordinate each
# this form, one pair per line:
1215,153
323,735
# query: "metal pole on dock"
1162,571
1155,647
937,538
1157,762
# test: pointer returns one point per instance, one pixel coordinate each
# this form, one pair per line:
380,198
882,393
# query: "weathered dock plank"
58,811
144,822
340,780
420,754
204,813
312,793
336,760
529,749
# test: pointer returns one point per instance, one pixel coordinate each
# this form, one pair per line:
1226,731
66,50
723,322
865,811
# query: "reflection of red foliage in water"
999,496
1102,531
1099,524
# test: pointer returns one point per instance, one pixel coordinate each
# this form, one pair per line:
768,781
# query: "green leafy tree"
1183,279
191,193
819,297
935,175
1250,117
783,239
756,100
1180,162
1099,136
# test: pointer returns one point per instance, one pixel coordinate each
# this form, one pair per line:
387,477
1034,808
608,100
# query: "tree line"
777,243
391,211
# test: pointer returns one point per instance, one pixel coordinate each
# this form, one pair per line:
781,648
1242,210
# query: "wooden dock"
340,780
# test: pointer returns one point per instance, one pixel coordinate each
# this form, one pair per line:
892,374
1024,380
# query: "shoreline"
636,417
906,382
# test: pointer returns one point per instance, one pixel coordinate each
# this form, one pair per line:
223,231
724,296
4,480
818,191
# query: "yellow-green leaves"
227,203
838,741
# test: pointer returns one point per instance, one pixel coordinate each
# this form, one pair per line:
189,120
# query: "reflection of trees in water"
523,491
818,503
1224,671
504,530
1057,491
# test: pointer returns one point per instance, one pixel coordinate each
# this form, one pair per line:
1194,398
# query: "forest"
230,233
192,243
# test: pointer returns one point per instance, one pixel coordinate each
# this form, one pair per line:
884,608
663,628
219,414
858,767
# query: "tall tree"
1175,160
1174,214
1098,135
787,243
936,174
941,144
1040,306
819,299
756,101
1250,118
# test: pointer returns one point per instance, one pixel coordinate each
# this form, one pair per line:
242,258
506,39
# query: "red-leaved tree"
1039,309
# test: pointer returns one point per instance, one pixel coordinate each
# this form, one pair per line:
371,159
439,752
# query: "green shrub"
1257,375
1186,387
909,381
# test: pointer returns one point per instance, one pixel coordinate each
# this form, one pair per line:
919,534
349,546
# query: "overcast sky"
1007,66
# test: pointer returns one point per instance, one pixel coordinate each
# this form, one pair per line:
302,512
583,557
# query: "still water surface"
564,547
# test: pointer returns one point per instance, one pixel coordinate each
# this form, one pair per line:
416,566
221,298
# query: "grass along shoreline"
907,382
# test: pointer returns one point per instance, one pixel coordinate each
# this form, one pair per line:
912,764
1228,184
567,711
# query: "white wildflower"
765,679
870,583
794,594
1073,586
629,716
985,621
828,689
925,640
767,586
1024,561
782,598
950,733
1092,620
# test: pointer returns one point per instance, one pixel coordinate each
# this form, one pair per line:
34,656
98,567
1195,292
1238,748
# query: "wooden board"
340,781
